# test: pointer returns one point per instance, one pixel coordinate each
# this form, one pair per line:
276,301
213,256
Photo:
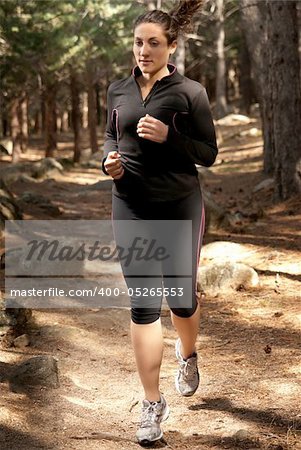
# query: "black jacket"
166,171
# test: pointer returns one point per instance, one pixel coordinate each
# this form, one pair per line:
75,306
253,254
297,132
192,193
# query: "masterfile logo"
92,263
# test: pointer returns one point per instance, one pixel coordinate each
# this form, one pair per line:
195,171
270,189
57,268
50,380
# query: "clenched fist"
113,165
153,129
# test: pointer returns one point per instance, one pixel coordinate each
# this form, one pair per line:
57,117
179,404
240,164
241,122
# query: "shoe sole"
147,442
177,350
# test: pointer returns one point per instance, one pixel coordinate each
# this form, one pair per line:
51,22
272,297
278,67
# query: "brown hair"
177,20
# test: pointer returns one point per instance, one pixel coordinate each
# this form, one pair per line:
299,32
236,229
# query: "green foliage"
48,36
202,45
42,39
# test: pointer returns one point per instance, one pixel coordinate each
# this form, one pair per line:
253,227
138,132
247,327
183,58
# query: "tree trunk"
50,118
23,120
103,109
85,120
75,114
153,4
1,119
43,110
15,131
98,101
253,16
180,55
37,122
103,101
92,110
285,86
40,120
245,79
4,125
150,4
210,86
64,122
221,102
4,117
233,92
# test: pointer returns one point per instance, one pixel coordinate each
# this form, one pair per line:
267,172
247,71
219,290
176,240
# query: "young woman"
159,126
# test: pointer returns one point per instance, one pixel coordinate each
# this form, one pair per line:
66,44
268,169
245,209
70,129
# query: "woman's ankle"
153,396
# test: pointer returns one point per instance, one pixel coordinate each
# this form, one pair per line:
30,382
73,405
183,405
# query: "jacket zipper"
147,98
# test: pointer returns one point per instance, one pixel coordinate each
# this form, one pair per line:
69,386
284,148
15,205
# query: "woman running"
159,126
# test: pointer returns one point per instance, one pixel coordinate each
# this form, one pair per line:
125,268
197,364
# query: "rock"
243,435
9,209
16,317
4,318
234,119
46,167
235,220
266,184
22,341
216,278
27,179
10,174
217,217
41,201
33,198
13,317
3,330
67,163
6,146
214,213
36,371
253,132
226,251
245,439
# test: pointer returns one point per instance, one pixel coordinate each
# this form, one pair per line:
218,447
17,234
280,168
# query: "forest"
57,61
58,58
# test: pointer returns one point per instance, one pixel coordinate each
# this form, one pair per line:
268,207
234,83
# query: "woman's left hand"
153,129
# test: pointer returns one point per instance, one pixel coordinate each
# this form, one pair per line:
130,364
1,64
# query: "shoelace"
149,415
188,369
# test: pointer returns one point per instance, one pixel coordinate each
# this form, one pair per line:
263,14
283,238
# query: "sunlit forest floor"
249,342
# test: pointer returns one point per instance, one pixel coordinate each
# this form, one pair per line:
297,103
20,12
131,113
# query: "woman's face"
150,47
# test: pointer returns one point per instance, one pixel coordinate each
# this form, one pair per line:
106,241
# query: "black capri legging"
147,308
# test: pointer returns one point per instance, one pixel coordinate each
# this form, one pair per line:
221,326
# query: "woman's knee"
143,316
185,312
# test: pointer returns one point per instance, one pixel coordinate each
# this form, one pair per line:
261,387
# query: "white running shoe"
187,378
153,413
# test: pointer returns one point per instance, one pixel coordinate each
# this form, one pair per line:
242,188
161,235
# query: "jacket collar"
136,72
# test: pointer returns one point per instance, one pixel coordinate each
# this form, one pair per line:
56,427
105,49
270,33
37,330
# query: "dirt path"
249,342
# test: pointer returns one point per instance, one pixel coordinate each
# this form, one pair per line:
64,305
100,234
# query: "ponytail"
178,20
183,13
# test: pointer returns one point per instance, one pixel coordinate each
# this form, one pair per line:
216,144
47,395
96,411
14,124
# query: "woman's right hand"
113,165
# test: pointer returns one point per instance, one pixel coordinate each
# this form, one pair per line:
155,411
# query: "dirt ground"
249,342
